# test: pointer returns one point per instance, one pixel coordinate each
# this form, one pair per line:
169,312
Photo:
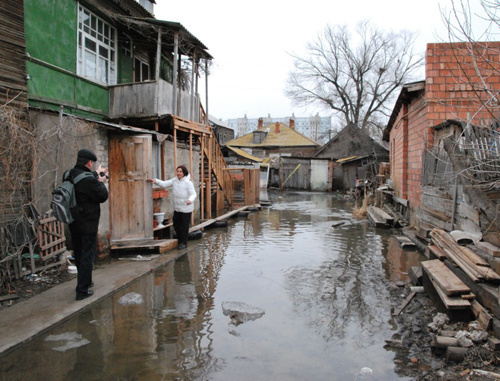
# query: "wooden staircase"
215,179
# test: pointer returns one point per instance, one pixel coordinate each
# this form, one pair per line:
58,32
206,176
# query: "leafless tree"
474,153
356,77
474,25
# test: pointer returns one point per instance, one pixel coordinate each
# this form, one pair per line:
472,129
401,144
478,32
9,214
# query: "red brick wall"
457,80
448,94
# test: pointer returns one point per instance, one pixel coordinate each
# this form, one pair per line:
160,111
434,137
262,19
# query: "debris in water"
73,340
132,298
240,312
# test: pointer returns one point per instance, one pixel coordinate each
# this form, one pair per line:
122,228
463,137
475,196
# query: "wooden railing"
215,179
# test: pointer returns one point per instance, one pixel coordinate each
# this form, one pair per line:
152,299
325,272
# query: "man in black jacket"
90,192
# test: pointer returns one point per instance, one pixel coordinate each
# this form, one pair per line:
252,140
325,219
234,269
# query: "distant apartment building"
315,127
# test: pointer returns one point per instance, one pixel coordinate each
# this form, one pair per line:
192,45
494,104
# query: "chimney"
292,124
261,123
277,129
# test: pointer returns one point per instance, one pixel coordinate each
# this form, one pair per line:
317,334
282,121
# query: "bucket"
72,269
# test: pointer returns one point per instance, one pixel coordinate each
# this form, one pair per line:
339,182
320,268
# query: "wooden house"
14,194
459,78
285,157
354,156
108,76
223,133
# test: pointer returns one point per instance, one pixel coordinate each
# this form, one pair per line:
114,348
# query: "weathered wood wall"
150,98
444,203
12,55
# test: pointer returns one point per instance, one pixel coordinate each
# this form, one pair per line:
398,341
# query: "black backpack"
63,203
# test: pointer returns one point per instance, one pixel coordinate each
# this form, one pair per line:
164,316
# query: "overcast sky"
251,42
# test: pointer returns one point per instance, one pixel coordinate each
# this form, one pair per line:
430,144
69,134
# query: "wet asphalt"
27,319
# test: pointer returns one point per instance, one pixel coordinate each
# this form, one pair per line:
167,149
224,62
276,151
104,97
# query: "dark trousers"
181,223
85,249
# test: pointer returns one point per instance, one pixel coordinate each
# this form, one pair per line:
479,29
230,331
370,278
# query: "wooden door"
131,203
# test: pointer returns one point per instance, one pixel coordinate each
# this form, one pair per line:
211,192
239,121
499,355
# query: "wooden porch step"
144,246
379,217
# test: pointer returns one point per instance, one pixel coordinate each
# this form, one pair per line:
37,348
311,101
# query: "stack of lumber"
477,269
451,290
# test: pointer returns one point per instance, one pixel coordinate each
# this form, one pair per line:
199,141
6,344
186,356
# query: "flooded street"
280,294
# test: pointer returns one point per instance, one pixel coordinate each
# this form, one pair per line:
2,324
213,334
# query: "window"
157,170
96,57
141,70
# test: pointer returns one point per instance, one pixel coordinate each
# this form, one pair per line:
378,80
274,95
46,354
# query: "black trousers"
181,223
85,250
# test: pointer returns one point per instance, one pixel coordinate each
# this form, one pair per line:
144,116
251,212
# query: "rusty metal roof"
286,137
244,154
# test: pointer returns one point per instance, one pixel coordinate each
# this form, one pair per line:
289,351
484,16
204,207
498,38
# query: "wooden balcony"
152,98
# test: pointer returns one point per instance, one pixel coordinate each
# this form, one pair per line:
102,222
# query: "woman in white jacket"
184,195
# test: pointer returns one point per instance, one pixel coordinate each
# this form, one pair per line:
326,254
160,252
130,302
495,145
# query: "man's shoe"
83,296
181,246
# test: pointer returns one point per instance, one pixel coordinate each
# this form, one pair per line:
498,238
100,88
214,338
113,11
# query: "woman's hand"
188,202
151,181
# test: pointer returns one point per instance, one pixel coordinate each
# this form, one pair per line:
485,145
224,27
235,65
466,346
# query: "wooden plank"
482,316
145,246
437,252
3,298
405,241
444,278
404,304
450,302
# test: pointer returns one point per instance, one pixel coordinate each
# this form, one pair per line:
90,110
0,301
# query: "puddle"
284,293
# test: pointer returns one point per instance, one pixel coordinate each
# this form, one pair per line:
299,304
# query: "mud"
413,343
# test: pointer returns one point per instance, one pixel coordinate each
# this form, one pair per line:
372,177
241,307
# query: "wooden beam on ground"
482,316
444,278
146,246
404,304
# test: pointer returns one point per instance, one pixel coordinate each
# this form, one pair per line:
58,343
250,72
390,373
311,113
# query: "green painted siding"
51,30
125,68
50,27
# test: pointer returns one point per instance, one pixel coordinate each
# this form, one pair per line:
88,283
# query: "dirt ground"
414,355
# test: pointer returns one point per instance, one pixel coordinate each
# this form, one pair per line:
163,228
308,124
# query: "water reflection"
324,291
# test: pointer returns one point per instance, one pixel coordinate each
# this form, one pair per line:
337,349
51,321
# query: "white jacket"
182,190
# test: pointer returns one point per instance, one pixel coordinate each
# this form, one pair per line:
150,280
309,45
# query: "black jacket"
89,193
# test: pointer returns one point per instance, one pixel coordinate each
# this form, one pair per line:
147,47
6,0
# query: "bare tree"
474,25
355,77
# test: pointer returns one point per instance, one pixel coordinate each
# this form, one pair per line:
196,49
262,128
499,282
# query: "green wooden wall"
51,41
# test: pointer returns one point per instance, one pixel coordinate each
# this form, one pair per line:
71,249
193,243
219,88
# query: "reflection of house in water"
399,261
176,313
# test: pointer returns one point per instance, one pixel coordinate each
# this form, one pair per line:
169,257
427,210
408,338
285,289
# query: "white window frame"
139,70
96,48
156,154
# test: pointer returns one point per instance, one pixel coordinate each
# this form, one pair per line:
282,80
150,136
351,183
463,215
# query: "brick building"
461,81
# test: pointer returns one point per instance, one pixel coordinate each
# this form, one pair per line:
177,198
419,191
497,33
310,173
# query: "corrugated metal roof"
244,154
287,137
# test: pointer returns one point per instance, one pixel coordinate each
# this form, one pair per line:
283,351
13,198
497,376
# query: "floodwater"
278,295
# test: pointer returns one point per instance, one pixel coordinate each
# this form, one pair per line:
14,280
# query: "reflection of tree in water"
345,291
